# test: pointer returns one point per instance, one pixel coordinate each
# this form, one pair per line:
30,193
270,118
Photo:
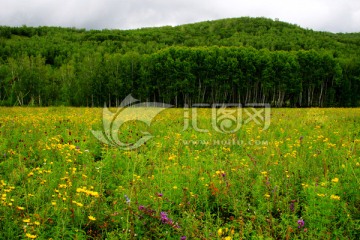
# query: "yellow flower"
220,232
94,194
31,236
26,220
335,197
335,180
321,195
175,187
92,218
227,238
266,195
305,185
37,223
20,208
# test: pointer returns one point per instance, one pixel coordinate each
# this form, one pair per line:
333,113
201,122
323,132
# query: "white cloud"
324,15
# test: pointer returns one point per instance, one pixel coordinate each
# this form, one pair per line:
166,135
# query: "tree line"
198,63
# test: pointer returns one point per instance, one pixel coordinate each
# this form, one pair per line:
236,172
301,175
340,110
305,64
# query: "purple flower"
301,223
183,238
160,194
141,207
164,217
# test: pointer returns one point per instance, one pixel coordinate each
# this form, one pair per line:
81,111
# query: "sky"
320,15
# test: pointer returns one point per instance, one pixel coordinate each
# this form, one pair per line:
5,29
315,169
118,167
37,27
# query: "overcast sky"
323,15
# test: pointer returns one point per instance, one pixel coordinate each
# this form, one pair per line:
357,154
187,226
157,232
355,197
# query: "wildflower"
321,195
164,217
227,238
91,218
31,236
141,207
183,238
26,220
335,197
266,195
77,203
20,208
220,232
92,193
305,185
160,194
335,180
301,223
37,223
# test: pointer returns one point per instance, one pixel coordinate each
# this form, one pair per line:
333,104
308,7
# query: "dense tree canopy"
232,60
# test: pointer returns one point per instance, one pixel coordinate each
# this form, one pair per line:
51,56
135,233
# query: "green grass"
251,184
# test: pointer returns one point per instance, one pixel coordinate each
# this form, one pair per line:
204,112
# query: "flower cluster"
87,192
166,220
163,216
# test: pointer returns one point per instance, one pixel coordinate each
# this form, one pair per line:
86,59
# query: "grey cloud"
324,15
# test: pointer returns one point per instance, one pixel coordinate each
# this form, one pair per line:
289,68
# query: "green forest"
243,60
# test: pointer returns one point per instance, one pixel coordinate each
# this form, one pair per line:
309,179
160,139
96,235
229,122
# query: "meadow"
298,179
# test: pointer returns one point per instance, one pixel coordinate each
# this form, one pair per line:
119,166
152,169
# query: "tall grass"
299,179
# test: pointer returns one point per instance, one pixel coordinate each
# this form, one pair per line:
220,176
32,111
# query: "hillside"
241,59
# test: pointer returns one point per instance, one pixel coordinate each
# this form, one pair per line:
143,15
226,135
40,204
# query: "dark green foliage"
232,60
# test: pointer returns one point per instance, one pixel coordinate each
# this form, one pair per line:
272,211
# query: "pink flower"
301,223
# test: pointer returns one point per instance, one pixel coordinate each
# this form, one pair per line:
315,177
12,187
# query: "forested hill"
231,60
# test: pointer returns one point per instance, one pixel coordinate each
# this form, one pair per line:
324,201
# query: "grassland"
299,179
